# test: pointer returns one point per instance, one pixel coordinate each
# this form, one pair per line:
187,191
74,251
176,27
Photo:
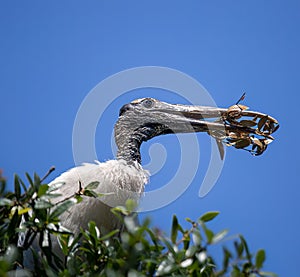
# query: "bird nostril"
125,108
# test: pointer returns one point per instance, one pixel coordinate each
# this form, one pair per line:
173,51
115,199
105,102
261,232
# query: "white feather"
116,178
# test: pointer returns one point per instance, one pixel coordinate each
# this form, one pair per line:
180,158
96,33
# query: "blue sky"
53,53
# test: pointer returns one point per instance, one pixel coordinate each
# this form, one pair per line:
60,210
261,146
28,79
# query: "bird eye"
148,103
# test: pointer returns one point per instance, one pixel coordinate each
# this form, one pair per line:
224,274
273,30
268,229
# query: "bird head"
145,118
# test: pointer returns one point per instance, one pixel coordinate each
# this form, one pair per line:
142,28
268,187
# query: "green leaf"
78,198
30,192
55,186
208,233
23,184
37,180
174,230
24,211
226,257
189,220
4,267
14,223
260,258
186,263
130,205
209,216
19,181
57,228
248,254
90,193
93,229
42,204
169,245
191,251
42,190
51,195
5,202
153,236
109,235
235,271
92,185
267,274
239,248
119,210
219,236
130,224
11,254
62,208
17,186
134,273
29,179
63,243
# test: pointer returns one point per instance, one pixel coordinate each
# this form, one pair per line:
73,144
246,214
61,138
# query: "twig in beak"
241,98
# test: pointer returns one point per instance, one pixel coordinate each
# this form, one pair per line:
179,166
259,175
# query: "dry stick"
52,168
224,111
241,98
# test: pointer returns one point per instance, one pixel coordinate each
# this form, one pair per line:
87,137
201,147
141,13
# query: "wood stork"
139,121
124,178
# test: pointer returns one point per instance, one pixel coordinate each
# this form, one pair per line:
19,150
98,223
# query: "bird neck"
129,145
130,151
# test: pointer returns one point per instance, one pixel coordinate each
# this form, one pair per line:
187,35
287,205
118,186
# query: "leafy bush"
27,215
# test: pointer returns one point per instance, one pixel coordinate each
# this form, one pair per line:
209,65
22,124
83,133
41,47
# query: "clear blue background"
53,53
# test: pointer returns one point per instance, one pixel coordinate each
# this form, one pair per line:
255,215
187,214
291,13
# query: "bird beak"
186,119
235,126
